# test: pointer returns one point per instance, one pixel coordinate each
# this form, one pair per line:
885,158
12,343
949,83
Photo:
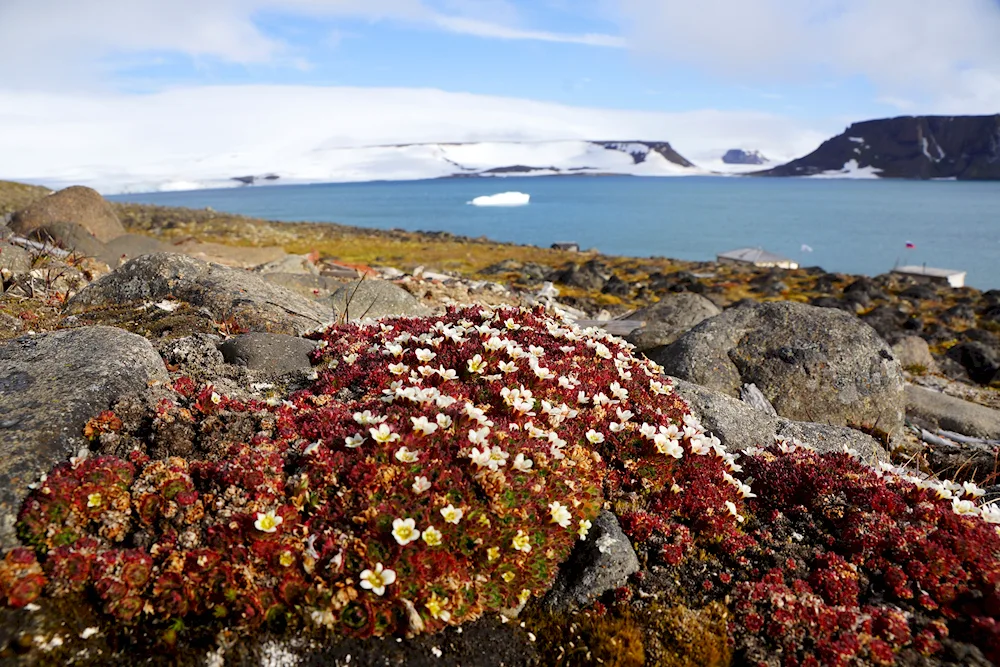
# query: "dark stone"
275,353
740,156
602,562
981,361
590,276
616,287
961,313
50,385
918,293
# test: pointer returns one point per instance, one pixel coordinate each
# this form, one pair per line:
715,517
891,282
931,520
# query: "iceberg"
502,199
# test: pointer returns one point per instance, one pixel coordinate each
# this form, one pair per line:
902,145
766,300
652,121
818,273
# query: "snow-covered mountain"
437,160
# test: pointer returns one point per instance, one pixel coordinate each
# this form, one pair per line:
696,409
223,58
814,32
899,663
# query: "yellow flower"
584,528
493,553
524,595
521,542
94,500
436,607
286,558
508,576
432,536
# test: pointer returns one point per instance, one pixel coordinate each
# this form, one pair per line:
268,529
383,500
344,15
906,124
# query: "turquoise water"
851,226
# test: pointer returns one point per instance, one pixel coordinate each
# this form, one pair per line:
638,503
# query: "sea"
848,226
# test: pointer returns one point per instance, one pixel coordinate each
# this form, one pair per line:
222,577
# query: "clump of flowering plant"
437,469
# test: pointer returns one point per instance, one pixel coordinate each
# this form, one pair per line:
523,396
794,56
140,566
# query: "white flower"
665,445
498,457
701,445
452,514
447,374
443,420
267,522
405,531
424,355
350,359
615,427
432,536
731,506
376,580
423,425
394,349
398,369
420,484
964,506
404,455
478,436
595,437
310,448
601,399
971,489
521,542
745,490
624,415
383,434
990,513
618,391
522,464
584,528
508,367
477,365
494,344
366,418
511,324
581,398
648,431
560,514
543,373
658,387
536,351
480,458
215,398
353,441
426,371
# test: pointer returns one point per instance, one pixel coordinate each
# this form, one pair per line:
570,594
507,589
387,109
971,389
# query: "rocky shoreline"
135,341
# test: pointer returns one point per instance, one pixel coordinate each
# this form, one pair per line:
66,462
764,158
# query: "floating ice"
502,199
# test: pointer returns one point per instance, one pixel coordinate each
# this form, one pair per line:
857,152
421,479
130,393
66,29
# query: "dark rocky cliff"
917,147
740,156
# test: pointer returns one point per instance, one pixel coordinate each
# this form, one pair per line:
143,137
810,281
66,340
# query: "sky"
778,75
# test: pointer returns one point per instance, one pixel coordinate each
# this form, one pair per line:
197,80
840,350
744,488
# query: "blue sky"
788,57
119,87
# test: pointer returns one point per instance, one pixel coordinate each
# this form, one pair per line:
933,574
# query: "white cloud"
55,43
219,132
944,53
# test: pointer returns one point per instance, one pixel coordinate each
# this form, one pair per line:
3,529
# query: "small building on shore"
568,246
756,257
928,274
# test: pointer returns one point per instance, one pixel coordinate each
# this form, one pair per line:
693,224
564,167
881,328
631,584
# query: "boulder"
590,276
932,409
913,354
70,236
274,353
227,293
77,204
375,299
50,385
980,360
602,562
669,318
812,364
290,264
306,284
14,259
740,424
130,246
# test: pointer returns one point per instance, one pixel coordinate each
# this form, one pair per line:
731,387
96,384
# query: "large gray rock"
669,318
812,364
50,385
306,284
77,204
375,299
914,354
605,560
932,409
130,246
274,353
227,293
70,236
739,425
14,259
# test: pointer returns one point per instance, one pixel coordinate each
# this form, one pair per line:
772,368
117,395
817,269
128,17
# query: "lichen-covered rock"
669,318
235,296
77,204
812,364
50,385
375,299
914,355
274,353
14,261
